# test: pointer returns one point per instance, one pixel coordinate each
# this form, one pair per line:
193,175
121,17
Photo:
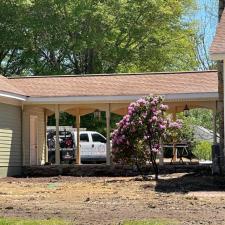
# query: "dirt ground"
188,198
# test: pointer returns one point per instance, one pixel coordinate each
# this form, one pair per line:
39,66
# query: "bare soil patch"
188,198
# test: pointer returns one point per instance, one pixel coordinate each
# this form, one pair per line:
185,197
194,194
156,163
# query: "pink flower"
117,141
154,118
162,127
156,113
153,103
176,125
130,111
163,107
126,118
132,105
144,114
141,101
155,150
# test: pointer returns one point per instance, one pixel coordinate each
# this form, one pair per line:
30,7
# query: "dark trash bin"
216,159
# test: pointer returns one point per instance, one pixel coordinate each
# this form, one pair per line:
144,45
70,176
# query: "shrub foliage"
138,135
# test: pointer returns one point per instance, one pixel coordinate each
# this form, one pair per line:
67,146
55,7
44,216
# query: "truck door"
85,146
98,146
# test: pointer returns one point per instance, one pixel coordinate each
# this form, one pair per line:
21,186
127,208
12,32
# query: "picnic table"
181,151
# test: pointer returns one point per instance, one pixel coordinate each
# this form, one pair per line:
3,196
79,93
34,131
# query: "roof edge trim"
217,56
12,96
113,99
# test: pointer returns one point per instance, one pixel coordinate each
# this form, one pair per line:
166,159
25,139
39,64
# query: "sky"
207,15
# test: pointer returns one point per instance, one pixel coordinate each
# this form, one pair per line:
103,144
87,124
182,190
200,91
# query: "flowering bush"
138,134
173,132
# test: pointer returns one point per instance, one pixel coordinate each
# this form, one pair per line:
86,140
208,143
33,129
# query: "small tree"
138,135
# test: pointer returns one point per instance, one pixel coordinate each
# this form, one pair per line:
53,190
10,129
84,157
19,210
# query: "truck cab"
92,146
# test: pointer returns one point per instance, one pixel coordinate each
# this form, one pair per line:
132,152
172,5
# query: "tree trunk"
221,98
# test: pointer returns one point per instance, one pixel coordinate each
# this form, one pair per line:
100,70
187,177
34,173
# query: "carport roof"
7,87
115,84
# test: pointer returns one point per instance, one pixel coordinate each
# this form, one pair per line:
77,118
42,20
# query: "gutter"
13,96
213,96
217,56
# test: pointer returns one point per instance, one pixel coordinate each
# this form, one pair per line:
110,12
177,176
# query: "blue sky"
207,15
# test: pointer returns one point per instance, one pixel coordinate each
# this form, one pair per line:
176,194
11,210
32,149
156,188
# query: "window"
84,138
98,138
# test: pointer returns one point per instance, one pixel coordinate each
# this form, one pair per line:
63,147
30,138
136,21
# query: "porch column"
161,155
174,144
214,128
108,150
78,138
57,147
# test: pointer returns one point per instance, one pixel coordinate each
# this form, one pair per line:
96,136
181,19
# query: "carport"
84,94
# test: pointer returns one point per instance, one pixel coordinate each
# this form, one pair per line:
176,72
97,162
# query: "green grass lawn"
151,222
17,221
8,221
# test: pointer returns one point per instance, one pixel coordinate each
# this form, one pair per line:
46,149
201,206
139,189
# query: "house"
217,53
26,103
203,134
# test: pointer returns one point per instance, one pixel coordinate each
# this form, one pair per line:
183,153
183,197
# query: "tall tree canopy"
95,36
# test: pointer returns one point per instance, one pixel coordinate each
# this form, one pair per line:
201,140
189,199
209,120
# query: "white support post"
174,144
214,128
57,147
78,162
108,147
161,154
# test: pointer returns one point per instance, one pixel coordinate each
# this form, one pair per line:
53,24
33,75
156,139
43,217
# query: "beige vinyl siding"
10,140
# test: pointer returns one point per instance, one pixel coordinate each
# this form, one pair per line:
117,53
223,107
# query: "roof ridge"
111,74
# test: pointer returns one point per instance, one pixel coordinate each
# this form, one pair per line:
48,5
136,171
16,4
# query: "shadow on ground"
190,183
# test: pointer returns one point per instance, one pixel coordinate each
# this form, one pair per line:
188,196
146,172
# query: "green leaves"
94,36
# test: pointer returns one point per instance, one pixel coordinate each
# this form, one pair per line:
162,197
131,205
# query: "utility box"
216,159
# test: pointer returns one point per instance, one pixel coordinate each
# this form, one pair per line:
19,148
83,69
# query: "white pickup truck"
92,146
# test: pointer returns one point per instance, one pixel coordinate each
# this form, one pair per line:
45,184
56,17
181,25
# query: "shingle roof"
118,85
9,88
218,44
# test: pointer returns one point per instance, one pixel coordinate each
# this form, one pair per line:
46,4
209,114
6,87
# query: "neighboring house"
203,134
26,102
